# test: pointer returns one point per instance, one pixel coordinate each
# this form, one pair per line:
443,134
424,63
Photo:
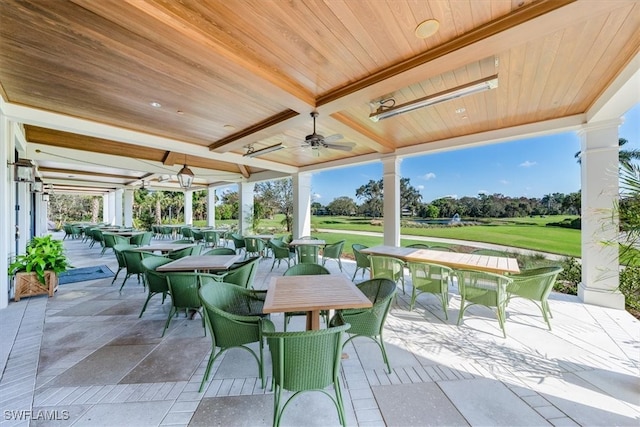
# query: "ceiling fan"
317,142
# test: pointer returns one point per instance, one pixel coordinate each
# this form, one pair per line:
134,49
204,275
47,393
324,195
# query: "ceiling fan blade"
334,137
344,146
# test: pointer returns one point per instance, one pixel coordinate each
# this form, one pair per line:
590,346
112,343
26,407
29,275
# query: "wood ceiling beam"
244,171
87,173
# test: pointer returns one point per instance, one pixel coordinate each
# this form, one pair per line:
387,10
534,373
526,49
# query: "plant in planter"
36,271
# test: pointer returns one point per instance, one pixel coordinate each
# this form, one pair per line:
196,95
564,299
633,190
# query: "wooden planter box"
27,285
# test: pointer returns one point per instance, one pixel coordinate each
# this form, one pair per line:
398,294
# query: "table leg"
313,320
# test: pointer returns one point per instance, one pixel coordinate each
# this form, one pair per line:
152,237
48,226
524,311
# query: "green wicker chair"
183,288
238,242
362,260
133,261
68,232
432,279
418,246
305,269
198,236
442,248
535,285
490,252
387,267
305,361
122,264
234,318
167,232
96,237
143,239
254,246
156,282
333,251
192,250
281,252
482,288
76,232
181,241
308,254
369,322
111,239
242,273
220,251
210,238
187,233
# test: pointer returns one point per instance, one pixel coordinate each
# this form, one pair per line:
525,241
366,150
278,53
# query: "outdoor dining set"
214,277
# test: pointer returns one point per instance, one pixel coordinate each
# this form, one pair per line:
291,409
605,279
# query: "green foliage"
575,223
42,254
630,286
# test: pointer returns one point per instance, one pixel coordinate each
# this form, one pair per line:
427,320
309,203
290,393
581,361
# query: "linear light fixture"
481,85
254,153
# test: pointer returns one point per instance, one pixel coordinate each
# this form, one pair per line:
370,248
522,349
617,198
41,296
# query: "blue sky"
531,167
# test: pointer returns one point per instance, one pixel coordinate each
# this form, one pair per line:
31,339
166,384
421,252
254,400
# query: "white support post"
599,174
301,204
245,205
128,207
188,207
7,242
211,207
119,193
112,208
105,208
24,214
391,204
41,215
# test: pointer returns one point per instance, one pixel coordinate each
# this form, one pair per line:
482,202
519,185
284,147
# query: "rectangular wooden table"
313,294
164,247
201,263
491,264
127,233
299,242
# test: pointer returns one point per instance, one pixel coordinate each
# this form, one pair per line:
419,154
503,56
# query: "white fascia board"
342,163
620,96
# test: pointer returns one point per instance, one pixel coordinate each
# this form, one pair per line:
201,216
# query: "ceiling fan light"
185,177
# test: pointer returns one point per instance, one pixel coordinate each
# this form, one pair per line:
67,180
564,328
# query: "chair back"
307,254
254,245
534,284
210,237
370,321
479,287
238,240
442,249
220,251
143,239
333,250
362,260
386,267
429,277
243,273
187,233
156,281
198,236
118,249
307,360
110,240
279,248
133,261
184,290
193,250
418,246
306,269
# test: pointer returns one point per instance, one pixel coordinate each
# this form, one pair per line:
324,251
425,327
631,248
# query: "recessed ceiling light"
229,127
155,104
460,110
427,28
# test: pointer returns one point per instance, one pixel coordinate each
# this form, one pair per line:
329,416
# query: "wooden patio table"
313,294
298,242
164,248
127,233
200,263
491,264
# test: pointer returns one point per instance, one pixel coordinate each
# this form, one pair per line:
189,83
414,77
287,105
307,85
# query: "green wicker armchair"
432,279
308,254
220,251
333,251
133,261
211,238
418,246
535,285
183,288
238,242
192,250
369,322
156,282
281,252
254,246
111,239
242,273
187,233
234,318
143,239
122,264
388,268
305,361
305,269
488,289
362,260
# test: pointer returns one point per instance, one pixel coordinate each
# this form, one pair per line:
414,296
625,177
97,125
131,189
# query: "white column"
245,205
105,207
599,175
118,206
188,207
41,215
112,208
211,207
301,204
128,207
391,204
24,213
7,242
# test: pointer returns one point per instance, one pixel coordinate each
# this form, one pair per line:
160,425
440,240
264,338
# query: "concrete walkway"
84,358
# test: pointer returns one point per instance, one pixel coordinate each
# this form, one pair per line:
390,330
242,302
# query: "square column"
112,208
128,207
105,208
42,214
600,224
7,186
119,193
301,204
245,207
391,202
188,207
211,207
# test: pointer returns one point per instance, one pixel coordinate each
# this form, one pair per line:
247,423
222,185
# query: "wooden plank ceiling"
227,75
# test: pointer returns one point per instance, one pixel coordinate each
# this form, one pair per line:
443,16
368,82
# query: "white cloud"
504,182
428,176
527,164
420,187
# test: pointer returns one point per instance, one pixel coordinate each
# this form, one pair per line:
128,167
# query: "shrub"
630,286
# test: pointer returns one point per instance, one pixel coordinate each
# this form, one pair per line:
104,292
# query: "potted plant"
36,271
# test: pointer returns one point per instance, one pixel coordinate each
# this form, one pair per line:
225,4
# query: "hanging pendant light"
185,176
